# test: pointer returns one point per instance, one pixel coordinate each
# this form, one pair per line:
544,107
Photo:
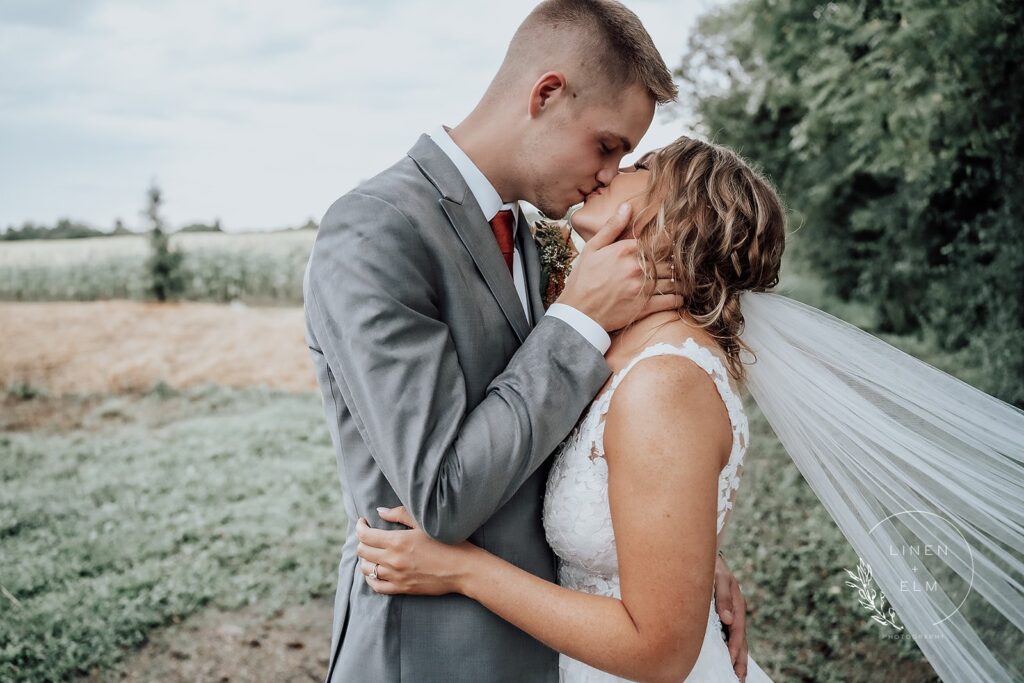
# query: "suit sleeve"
372,305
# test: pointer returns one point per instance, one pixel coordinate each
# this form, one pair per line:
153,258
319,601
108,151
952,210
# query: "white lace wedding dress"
578,523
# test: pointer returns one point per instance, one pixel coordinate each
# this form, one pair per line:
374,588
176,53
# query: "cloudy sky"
259,113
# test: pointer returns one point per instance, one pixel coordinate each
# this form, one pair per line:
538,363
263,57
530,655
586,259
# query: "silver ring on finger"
373,574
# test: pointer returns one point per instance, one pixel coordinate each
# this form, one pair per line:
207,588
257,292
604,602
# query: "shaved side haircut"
601,45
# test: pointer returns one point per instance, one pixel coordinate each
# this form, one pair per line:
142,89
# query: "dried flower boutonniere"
557,253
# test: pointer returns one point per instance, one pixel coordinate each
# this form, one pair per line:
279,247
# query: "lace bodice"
577,518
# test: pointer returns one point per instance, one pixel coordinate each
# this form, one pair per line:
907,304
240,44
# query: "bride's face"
629,185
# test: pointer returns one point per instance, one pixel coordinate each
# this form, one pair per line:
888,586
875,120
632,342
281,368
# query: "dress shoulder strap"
711,364
729,479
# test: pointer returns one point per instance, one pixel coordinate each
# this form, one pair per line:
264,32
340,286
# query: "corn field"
256,268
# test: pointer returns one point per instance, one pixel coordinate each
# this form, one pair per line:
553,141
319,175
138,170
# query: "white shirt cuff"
583,324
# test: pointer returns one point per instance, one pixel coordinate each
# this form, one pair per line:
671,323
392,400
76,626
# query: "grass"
25,391
107,535
228,498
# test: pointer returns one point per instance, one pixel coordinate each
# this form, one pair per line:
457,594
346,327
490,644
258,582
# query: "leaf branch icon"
871,598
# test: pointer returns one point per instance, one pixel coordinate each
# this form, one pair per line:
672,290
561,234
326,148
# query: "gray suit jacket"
440,397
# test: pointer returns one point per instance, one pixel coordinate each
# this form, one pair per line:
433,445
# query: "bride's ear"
548,88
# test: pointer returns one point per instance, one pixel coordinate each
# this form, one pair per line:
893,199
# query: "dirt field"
246,646
123,346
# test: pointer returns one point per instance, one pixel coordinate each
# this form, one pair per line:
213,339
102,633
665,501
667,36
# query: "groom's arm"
372,304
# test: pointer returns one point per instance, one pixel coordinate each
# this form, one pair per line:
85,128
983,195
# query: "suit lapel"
473,229
531,265
476,236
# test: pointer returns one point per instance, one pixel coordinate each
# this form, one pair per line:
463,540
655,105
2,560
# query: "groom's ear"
548,88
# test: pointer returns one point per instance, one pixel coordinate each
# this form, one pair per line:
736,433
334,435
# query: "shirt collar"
484,193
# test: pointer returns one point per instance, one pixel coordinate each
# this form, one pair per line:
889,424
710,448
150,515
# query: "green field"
183,501
255,268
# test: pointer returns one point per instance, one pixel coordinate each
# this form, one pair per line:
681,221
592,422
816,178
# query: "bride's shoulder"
667,398
661,391
664,383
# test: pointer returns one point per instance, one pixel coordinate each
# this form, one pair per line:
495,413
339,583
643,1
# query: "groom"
446,385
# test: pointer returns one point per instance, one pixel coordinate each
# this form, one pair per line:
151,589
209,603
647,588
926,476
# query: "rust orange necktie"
501,224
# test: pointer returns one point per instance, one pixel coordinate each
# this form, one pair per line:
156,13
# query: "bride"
639,493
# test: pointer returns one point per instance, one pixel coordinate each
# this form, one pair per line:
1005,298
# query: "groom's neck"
484,145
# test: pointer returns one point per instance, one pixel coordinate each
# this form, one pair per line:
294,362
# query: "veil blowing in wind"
923,473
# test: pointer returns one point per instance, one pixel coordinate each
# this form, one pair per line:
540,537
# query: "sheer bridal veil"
923,474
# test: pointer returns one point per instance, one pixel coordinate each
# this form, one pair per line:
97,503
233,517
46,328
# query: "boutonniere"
557,253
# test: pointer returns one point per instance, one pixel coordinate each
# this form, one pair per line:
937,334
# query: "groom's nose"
607,174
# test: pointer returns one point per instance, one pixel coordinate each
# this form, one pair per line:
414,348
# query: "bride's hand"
409,561
732,611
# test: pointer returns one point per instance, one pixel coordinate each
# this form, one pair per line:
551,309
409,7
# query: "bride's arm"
666,437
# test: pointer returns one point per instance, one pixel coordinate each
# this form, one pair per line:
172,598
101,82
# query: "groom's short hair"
604,37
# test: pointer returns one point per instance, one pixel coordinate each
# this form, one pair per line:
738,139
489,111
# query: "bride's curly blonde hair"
722,226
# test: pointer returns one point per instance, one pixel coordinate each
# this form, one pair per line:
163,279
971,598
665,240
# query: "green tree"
65,228
894,130
164,265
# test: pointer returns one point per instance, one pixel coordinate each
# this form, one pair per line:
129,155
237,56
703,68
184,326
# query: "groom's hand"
608,284
732,610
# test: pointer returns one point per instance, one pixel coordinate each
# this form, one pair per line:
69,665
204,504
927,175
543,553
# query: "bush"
894,130
64,229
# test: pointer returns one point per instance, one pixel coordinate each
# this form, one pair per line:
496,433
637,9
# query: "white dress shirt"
490,203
